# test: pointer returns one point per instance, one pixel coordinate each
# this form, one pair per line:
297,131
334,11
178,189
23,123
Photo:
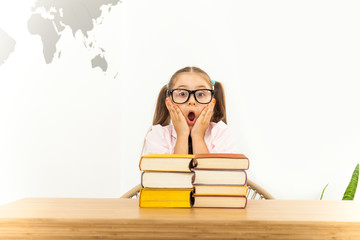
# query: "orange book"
224,161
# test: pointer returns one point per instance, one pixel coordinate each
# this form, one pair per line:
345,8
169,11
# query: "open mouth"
191,118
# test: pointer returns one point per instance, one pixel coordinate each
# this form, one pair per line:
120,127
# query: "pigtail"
161,115
219,113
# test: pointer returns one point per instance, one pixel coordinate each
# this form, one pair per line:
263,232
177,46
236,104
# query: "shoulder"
161,131
158,140
221,124
158,127
218,130
218,127
220,138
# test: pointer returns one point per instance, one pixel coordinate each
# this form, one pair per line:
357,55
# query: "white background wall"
290,71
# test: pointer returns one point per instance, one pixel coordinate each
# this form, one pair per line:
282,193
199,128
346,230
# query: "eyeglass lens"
181,96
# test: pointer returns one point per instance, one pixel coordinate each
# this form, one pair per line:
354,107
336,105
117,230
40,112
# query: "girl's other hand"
179,121
203,121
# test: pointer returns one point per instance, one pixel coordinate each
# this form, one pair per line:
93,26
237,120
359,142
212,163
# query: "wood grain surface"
79,218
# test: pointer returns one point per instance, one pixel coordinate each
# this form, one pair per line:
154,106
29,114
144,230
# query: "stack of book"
166,180
220,180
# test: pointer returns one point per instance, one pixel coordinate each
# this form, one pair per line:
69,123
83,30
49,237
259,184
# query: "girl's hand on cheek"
203,121
177,118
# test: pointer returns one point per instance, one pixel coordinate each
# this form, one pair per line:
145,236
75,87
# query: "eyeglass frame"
170,92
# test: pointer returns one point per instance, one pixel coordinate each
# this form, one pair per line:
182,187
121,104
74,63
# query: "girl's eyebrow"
185,86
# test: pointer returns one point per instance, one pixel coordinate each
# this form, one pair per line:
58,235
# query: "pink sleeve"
222,139
158,141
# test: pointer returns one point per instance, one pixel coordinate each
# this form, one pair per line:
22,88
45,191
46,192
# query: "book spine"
168,170
223,207
217,195
140,194
193,164
140,163
141,180
222,169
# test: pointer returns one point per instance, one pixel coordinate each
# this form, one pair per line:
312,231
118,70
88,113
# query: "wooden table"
66,218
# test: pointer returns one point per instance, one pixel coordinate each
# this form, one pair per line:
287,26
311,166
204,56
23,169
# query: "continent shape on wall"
7,46
51,17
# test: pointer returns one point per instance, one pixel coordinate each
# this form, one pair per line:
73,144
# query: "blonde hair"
162,116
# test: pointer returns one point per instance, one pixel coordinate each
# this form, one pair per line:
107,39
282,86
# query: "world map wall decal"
7,46
50,18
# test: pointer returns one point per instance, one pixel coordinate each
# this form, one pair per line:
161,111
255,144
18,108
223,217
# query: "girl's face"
191,81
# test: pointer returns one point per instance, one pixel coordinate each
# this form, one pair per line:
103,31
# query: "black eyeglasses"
202,96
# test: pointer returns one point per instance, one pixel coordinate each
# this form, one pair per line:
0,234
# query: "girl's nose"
192,100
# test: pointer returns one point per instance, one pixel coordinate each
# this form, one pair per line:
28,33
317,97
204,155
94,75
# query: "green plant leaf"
351,188
322,194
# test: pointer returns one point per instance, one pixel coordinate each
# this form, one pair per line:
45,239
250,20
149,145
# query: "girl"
196,107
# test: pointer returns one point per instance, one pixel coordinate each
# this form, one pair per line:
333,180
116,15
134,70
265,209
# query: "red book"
224,161
212,201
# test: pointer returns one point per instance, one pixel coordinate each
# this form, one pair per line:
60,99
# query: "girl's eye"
181,93
200,94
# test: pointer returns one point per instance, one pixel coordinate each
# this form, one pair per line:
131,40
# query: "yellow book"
170,197
166,162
